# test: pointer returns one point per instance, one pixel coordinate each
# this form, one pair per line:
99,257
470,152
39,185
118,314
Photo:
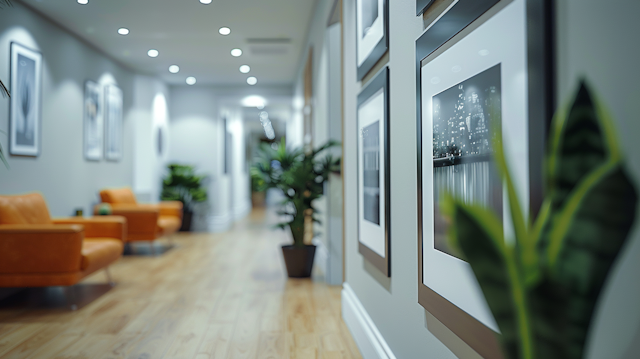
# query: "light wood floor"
215,296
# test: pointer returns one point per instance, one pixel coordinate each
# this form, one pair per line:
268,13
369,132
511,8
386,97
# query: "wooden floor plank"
213,296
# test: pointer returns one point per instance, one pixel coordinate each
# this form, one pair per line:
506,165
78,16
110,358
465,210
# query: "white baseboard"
243,210
365,333
322,256
219,222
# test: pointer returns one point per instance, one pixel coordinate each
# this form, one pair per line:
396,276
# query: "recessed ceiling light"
252,80
206,2
245,69
123,31
153,53
191,80
224,31
174,69
83,2
236,52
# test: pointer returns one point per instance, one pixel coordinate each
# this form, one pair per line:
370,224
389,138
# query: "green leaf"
525,244
477,232
582,140
594,227
591,207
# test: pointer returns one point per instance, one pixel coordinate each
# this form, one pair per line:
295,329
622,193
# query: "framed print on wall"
483,64
113,121
372,33
373,172
26,91
93,121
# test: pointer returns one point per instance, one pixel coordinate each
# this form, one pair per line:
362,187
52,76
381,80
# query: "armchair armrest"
171,208
46,248
142,221
102,226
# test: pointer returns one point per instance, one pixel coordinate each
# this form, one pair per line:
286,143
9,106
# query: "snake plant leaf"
582,140
596,233
478,235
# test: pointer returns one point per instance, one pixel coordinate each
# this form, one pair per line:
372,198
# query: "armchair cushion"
24,209
99,252
102,226
168,224
171,208
118,195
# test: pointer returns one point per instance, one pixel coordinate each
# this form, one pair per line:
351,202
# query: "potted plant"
182,184
300,176
543,286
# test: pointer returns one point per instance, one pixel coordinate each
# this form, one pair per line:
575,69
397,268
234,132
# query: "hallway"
213,296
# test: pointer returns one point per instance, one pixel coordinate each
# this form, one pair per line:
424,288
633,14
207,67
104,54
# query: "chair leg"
71,294
109,278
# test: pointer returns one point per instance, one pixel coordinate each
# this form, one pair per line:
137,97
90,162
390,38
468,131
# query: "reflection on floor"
213,296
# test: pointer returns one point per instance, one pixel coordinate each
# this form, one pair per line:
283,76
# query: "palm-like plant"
301,176
3,89
182,184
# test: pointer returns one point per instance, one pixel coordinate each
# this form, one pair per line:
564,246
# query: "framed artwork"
483,65
113,120
422,6
373,172
372,33
26,91
93,121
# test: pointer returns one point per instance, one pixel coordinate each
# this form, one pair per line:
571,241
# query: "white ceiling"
186,34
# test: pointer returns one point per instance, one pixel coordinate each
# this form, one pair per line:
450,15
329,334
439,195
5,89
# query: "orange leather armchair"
145,222
37,251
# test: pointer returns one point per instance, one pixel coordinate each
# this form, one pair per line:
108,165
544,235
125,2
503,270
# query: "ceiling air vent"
269,46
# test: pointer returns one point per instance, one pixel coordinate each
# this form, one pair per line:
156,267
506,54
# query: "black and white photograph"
464,117
26,81
369,15
93,121
113,119
373,172
372,39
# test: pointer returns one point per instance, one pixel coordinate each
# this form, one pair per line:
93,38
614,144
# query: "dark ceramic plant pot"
299,260
187,216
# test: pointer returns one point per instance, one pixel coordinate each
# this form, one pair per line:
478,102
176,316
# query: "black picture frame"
540,73
378,83
422,6
381,46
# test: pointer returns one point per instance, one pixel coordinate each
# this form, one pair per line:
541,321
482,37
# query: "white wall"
60,172
197,138
151,113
